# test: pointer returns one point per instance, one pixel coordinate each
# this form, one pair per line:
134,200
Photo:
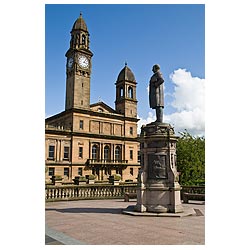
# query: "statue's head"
155,68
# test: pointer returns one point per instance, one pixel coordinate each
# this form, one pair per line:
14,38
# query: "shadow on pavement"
51,241
87,210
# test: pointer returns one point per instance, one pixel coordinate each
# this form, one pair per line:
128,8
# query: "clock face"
70,62
83,61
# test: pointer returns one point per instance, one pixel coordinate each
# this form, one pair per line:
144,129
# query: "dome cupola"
80,24
126,74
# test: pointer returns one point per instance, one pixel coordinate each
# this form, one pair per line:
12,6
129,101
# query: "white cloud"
192,120
143,121
189,92
189,102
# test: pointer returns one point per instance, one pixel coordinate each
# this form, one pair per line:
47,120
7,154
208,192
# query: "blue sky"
227,98
141,35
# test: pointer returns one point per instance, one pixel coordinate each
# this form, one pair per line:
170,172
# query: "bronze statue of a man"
156,94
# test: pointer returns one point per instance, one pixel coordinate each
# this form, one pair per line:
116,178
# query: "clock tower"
78,67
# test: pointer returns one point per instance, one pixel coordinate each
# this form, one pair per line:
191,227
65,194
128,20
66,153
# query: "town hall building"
93,138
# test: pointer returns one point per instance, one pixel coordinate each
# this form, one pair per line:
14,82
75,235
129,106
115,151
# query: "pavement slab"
101,222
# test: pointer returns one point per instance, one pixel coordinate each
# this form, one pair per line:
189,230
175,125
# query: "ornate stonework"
159,190
157,166
157,128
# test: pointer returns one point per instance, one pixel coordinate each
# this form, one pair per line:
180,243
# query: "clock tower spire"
78,67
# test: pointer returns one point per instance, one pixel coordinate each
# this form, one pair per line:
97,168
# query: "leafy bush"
57,177
191,159
80,178
90,177
117,177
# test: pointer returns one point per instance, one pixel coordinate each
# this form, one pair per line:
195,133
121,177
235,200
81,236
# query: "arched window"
83,39
118,155
106,153
95,152
130,92
121,92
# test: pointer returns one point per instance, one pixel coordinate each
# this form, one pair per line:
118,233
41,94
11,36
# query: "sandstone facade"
92,138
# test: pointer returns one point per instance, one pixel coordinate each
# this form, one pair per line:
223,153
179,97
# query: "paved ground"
100,222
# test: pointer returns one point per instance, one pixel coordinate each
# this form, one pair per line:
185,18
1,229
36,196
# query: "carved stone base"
157,209
140,208
175,208
159,190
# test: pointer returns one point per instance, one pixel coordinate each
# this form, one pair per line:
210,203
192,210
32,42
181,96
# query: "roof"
79,24
102,107
126,74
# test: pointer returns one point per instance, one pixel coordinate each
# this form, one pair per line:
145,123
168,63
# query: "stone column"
159,190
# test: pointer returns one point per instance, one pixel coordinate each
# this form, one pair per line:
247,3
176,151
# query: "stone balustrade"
53,127
100,191
106,162
75,192
193,190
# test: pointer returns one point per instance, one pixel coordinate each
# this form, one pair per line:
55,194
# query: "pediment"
102,108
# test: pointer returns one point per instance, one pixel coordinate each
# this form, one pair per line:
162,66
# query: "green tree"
191,159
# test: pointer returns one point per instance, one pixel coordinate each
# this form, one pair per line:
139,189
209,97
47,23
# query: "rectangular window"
80,152
106,153
66,172
131,130
131,154
51,151
81,124
80,171
139,157
66,153
131,171
51,171
118,155
94,152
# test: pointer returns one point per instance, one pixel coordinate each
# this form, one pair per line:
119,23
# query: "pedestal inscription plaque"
157,168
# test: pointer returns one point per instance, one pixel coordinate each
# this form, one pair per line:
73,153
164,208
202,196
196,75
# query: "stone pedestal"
159,190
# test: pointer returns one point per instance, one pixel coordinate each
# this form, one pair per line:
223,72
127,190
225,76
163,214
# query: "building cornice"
90,135
92,113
